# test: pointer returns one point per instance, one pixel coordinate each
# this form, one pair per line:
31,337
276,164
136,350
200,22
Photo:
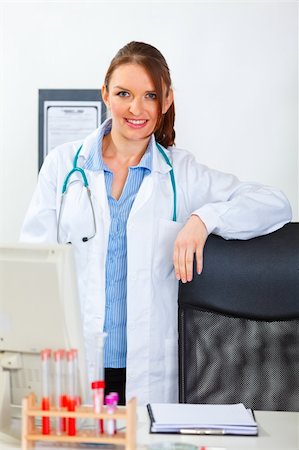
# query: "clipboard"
203,420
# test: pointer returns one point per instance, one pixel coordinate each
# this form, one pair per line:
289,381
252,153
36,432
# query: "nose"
136,106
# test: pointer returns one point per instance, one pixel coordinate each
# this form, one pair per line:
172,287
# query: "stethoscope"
76,169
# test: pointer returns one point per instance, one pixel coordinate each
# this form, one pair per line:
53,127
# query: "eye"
151,95
123,94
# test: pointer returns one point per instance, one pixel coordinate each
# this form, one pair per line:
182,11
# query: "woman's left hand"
189,242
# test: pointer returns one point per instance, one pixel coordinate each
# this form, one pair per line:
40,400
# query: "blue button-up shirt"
116,261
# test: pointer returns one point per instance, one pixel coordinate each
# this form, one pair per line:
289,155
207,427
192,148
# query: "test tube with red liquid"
98,401
71,421
98,386
46,373
60,392
76,377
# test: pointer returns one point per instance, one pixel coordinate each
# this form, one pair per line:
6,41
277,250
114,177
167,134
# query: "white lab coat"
228,208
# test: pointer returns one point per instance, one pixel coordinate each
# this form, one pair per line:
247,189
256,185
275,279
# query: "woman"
145,223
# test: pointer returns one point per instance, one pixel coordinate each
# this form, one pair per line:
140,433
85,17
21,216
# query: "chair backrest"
239,324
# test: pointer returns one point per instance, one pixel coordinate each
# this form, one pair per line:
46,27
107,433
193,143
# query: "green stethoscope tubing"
172,179
75,169
86,185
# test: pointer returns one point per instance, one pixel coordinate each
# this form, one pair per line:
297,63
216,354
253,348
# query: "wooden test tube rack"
31,434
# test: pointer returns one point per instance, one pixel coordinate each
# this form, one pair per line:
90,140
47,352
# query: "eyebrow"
120,87
126,89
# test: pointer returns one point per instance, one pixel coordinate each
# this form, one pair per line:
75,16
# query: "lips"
136,123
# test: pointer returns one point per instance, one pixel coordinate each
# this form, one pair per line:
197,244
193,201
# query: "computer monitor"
39,308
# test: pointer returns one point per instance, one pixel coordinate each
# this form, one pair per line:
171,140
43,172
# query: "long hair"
156,66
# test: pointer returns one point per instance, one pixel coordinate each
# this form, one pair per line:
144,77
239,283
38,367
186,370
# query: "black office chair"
239,323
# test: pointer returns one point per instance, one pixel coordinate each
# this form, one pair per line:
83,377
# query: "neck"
129,152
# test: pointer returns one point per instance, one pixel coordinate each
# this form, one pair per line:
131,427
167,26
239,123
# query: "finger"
182,264
176,262
199,260
189,263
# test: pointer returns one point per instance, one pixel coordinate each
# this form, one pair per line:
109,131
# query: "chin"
139,134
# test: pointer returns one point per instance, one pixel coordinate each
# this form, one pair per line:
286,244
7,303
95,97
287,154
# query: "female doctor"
137,210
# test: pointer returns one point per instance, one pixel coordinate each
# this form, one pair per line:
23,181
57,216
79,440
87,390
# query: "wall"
234,67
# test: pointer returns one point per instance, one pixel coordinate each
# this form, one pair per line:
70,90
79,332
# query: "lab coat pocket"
167,233
171,370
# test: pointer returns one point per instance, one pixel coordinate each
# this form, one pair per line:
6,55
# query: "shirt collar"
95,161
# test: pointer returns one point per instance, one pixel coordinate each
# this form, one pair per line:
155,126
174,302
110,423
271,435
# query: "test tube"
99,362
98,400
71,428
46,372
98,384
110,408
115,397
76,377
60,395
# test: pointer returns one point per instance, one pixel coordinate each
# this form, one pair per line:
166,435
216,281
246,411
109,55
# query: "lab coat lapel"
98,248
159,165
143,195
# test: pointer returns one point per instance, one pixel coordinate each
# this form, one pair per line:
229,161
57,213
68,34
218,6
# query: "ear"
105,96
168,101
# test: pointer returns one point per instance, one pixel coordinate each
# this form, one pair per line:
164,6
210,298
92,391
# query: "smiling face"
132,100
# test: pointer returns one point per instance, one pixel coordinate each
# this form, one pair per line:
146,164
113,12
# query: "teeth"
136,122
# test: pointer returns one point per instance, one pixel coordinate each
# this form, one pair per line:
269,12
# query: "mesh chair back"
239,323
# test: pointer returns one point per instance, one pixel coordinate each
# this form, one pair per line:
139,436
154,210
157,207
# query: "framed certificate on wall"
67,115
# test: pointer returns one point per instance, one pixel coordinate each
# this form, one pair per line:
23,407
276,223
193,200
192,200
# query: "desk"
277,431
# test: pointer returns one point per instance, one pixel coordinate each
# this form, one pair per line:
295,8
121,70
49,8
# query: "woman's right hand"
189,242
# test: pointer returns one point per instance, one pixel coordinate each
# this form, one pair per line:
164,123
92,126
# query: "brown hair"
155,64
